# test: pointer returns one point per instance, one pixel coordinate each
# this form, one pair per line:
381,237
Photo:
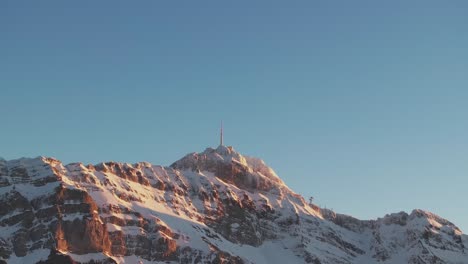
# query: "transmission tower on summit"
221,135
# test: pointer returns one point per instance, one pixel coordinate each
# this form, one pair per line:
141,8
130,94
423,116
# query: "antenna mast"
221,136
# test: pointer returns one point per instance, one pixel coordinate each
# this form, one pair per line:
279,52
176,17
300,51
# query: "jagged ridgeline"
216,206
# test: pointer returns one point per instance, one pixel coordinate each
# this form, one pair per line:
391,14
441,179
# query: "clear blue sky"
362,104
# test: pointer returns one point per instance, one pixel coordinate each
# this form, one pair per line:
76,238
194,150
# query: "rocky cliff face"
211,207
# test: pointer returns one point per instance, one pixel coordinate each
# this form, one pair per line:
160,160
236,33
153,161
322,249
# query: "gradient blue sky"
362,104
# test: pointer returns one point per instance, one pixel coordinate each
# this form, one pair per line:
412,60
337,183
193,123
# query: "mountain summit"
217,206
227,164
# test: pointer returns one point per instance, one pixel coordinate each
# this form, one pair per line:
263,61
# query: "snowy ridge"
216,206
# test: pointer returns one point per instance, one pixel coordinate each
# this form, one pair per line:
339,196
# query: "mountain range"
216,206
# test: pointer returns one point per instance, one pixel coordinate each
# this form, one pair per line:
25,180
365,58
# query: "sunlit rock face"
216,206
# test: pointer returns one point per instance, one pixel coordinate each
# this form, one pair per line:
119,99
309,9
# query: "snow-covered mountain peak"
224,154
231,166
224,150
418,219
27,168
419,213
216,206
431,221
